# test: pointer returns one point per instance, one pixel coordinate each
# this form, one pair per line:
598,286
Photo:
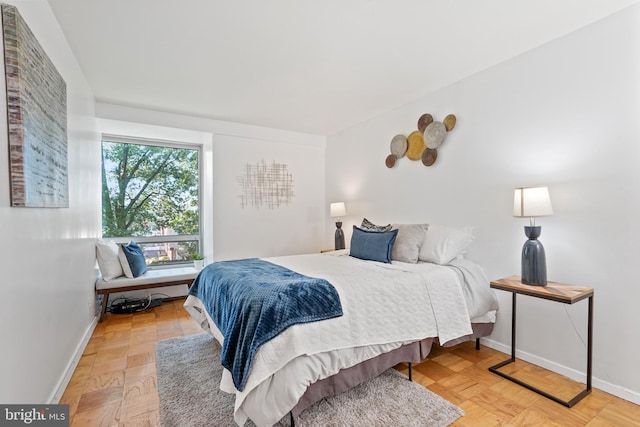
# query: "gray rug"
189,373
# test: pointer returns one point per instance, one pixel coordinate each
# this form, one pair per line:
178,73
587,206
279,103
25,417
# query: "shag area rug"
189,375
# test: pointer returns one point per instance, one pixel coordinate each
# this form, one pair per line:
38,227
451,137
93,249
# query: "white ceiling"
304,65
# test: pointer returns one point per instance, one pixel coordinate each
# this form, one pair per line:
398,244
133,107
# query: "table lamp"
532,202
338,210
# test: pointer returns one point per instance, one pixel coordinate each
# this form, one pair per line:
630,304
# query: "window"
150,194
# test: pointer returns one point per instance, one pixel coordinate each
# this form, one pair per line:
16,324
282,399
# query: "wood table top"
555,291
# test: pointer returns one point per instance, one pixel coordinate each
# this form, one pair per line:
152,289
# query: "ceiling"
303,65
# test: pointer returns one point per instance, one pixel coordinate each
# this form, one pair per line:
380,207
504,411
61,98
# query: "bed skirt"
351,377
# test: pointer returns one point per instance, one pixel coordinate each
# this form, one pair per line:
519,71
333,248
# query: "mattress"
386,306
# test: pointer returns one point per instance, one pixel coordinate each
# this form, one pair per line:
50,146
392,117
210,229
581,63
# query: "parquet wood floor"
115,381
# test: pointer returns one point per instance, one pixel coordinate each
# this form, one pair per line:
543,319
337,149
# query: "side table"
554,291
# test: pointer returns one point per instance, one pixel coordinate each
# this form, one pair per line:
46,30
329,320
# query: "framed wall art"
37,119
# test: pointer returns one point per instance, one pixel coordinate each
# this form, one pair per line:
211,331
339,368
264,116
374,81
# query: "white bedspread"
384,305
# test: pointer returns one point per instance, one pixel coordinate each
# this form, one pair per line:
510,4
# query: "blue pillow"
372,245
135,258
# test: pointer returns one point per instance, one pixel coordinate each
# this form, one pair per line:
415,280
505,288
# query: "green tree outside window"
149,190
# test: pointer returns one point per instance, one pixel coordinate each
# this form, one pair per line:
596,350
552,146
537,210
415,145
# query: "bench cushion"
150,277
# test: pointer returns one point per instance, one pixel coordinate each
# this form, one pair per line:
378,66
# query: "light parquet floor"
115,381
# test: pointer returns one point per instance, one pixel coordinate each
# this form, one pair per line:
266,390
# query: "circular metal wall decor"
424,121
449,122
416,145
434,135
399,146
429,156
390,161
421,144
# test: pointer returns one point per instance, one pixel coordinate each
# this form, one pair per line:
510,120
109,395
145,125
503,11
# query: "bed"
392,312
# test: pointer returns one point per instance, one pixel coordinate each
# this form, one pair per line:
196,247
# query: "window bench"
151,279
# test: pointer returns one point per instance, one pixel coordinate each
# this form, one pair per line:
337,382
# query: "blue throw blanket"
251,301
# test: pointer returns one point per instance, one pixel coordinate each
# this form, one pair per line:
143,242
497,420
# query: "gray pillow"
408,242
369,226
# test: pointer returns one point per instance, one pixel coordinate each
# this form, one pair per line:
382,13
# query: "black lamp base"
339,236
534,263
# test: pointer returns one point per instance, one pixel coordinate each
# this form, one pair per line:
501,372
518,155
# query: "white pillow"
408,242
124,262
108,261
442,244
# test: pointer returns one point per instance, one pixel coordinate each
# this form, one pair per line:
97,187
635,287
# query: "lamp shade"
531,202
337,209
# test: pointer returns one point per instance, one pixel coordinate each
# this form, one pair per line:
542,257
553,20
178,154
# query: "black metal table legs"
580,395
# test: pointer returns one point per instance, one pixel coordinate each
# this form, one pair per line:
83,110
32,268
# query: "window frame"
121,139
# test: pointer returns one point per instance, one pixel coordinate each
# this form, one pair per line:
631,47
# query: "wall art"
37,119
421,144
265,184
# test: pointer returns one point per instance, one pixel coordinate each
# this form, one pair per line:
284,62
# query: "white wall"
293,228
563,115
47,259
230,230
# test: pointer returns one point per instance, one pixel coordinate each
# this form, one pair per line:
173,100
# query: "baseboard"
73,363
621,392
